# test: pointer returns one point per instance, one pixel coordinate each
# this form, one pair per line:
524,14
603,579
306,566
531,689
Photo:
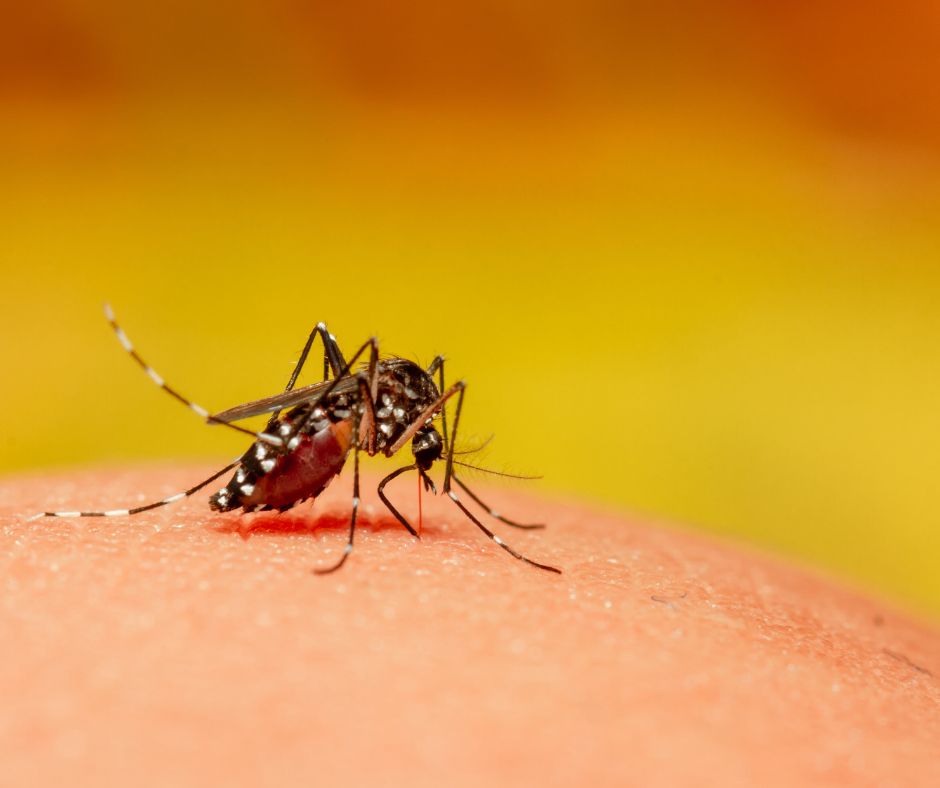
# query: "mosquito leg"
449,474
365,431
352,520
369,407
388,504
453,496
371,344
332,357
274,440
311,396
492,512
332,360
367,386
146,507
438,366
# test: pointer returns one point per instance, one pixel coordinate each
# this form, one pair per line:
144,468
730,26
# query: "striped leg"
449,475
352,520
388,504
364,391
438,366
366,384
332,356
493,513
145,507
200,411
332,360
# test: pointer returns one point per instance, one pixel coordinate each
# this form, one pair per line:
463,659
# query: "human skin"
183,647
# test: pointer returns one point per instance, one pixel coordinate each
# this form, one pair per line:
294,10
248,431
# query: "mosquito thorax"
404,392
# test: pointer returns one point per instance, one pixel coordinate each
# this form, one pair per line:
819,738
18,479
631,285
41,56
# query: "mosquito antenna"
475,449
495,473
200,411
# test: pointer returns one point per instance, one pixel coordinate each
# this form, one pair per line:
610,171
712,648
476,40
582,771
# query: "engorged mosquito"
376,408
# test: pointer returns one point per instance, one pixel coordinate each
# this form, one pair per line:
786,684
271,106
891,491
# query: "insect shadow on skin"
376,407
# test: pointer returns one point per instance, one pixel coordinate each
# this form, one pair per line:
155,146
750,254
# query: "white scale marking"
199,410
155,377
247,489
67,514
293,443
498,540
452,495
261,452
122,338
177,497
267,465
116,512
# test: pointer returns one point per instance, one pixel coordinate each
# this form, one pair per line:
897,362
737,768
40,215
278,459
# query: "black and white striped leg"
289,434
493,513
145,507
388,504
364,390
367,387
372,345
449,475
352,520
438,366
200,411
332,360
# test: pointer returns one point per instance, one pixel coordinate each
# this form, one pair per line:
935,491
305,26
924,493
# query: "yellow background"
685,254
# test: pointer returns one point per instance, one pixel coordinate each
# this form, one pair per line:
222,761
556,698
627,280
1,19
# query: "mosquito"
375,406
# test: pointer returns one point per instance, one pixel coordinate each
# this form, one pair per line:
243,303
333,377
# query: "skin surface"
177,647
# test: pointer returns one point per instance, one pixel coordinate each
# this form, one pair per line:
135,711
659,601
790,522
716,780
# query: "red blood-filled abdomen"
306,471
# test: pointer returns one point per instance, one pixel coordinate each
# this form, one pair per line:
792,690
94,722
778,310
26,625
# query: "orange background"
685,253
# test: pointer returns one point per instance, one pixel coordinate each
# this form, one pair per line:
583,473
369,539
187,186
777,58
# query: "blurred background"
686,253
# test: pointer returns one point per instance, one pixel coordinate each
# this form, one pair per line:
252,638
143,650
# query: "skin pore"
185,647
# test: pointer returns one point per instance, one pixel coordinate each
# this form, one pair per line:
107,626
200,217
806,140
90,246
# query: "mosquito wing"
285,399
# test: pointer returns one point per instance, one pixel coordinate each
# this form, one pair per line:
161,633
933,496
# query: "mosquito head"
427,447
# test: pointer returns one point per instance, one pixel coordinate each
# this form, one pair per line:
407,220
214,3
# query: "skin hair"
184,647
